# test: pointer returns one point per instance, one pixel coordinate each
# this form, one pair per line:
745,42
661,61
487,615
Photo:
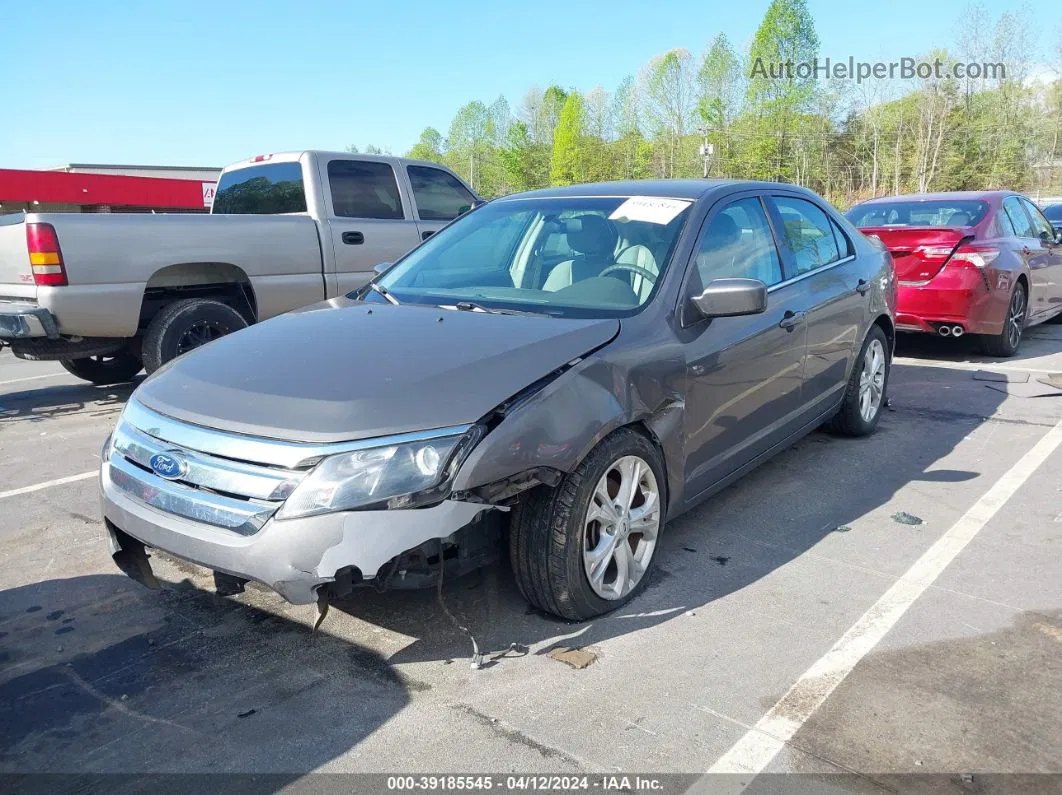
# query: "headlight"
394,476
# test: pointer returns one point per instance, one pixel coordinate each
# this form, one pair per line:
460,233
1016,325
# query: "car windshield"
946,212
561,256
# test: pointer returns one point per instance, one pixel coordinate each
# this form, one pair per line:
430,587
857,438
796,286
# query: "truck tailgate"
16,276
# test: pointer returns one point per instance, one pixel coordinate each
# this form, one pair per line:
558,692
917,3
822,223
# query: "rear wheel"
865,395
111,369
1005,344
185,325
586,547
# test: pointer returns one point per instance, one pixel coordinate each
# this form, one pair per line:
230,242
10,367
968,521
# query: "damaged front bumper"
293,557
215,498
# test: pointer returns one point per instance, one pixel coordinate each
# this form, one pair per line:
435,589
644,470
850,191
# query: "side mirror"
732,297
1058,236
382,267
464,208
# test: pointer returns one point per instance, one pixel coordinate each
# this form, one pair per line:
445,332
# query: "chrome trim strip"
809,274
240,516
272,452
232,477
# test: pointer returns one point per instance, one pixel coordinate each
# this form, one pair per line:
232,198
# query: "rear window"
364,189
268,189
966,212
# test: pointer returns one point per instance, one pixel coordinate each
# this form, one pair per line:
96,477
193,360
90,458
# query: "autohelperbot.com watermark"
851,69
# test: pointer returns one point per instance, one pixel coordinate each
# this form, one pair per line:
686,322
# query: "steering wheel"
645,273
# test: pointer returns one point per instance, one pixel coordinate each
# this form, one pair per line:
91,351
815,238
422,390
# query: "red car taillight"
46,259
978,256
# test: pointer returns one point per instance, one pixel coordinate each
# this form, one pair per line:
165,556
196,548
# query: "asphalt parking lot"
795,623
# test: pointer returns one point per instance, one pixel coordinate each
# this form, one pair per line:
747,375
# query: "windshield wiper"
379,288
469,306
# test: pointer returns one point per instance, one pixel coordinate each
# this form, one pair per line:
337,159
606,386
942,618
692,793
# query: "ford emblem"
168,465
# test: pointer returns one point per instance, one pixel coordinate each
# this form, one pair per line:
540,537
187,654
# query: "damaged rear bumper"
293,557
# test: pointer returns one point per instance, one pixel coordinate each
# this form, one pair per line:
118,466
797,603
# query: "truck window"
268,189
439,196
364,189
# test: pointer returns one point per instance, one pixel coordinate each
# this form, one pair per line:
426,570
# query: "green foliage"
847,142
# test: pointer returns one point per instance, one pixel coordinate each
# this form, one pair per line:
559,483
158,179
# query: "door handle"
790,320
353,238
1026,250
862,286
426,235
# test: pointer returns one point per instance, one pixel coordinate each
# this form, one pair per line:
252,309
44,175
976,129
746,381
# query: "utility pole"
706,150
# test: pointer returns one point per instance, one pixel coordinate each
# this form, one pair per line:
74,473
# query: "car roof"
663,188
969,195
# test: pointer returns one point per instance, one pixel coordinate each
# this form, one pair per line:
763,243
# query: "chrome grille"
225,492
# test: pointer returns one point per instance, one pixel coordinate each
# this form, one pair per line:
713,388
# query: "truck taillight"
46,259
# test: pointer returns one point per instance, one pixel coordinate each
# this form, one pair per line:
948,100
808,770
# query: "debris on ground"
906,518
689,549
722,560
246,714
841,528
575,657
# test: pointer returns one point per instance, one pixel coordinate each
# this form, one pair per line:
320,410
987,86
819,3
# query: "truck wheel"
184,325
586,546
111,369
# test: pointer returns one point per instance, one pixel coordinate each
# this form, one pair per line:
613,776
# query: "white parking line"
31,378
971,366
48,484
755,750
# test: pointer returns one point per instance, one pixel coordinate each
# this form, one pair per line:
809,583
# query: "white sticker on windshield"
650,209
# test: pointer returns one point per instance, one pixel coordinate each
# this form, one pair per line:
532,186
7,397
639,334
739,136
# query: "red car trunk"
919,252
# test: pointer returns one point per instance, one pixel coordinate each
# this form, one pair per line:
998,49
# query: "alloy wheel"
621,527
1016,317
872,380
199,333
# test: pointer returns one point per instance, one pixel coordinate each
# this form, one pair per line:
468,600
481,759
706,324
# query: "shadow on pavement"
99,675
35,405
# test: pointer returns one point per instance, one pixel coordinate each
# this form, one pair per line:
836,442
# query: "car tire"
186,324
867,391
1006,343
114,368
552,527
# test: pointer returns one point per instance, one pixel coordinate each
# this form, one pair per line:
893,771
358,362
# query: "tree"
429,147
781,85
566,163
719,88
669,98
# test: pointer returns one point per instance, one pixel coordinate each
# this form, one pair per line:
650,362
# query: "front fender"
558,426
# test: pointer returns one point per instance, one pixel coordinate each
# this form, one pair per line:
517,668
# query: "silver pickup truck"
109,294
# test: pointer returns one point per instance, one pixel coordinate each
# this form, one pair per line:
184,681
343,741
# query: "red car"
982,263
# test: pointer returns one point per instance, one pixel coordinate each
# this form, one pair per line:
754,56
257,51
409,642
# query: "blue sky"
207,83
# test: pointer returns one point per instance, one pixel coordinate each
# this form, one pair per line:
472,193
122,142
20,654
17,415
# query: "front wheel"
586,546
865,394
101,370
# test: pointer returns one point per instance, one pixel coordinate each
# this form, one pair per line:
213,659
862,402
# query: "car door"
744,374
1047,256
1031,253
834,285
367,219
438,197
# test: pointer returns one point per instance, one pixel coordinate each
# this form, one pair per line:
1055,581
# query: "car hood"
347,370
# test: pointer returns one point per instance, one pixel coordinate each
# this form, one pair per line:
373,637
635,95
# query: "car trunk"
919,252
16,276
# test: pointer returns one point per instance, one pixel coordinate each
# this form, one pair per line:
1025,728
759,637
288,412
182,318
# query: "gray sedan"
556,372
